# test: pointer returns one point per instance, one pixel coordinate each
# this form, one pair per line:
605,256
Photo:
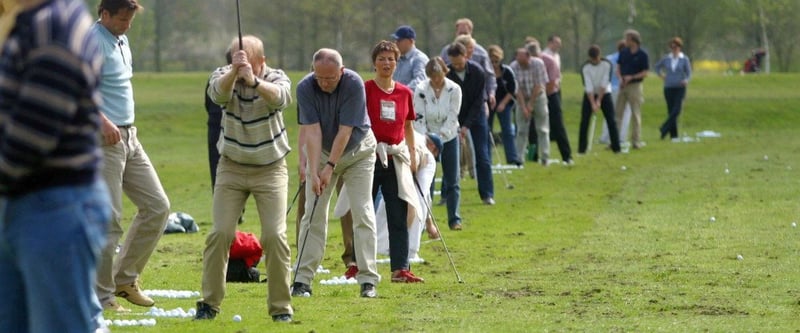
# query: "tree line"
191,35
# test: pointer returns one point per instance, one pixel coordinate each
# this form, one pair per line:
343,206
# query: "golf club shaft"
302,185
239,24
441,236
497,153
591,132
305,238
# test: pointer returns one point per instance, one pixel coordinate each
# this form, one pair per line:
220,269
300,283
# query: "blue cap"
437,141
404,32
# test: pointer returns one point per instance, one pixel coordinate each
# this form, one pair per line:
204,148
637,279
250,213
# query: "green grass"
587,248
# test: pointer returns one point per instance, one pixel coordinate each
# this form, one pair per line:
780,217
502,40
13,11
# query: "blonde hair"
465,40
496,51
436,66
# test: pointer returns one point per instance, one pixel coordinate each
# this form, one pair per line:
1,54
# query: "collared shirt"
115,85
677,70
553,72
438,115
481,57
346,105
556,56
410,69
253,130
633,63
528,77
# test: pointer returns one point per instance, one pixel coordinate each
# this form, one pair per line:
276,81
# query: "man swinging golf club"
338,143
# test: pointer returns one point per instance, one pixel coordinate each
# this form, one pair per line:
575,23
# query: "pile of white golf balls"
339,280
174,313
140,322
322,270
172,293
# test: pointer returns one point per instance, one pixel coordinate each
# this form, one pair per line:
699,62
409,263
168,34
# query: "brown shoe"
133,294
112,305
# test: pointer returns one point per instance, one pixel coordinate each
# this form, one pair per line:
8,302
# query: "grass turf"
586,248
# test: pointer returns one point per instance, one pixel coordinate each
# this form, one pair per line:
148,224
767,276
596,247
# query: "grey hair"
326,56
534,48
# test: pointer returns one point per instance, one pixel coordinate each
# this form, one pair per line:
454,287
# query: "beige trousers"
356,167
633,95
127,169
269,185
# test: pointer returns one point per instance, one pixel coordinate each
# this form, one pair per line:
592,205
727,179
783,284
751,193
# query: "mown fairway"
588,248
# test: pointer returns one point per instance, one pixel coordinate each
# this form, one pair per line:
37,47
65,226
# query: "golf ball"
766,157
739,257
727,171
237,318
623,168
794,224
712,219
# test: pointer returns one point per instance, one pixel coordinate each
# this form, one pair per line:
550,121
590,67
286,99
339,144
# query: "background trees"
184,35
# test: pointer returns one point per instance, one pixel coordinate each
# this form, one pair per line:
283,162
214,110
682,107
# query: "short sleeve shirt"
346,105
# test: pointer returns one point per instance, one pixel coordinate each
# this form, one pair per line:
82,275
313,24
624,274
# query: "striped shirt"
253,131
49,118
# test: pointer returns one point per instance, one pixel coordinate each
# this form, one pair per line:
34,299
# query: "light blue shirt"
115,81
614,79
410,69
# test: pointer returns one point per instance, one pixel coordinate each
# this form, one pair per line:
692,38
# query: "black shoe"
282,318
300,289
368,290
205,311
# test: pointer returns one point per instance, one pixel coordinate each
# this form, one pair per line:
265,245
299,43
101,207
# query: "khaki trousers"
127,169
269,185
541,118
356,167
632,94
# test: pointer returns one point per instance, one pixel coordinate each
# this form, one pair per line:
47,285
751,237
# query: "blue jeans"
451,189
483,162
49,244
507,133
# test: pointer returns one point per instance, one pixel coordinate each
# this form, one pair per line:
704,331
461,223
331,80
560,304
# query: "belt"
125,126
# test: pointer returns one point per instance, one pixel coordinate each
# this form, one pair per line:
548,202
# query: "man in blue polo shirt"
411,64
632,67
126,166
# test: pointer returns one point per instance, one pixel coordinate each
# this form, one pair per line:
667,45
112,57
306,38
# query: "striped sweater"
253,131
49,120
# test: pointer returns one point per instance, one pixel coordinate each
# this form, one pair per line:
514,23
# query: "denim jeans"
50,241
483,161
451,189
507,133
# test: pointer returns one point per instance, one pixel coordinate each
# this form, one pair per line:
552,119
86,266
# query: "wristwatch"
255,85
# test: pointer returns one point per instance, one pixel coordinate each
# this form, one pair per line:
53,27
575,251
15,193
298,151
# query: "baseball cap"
404,32
437,141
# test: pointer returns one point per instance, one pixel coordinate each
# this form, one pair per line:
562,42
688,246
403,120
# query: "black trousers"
607,107
558,132
385,179
674,97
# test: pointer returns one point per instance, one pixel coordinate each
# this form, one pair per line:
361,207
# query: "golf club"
305,238
497,153
239,24
302,185
441,236
591,132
